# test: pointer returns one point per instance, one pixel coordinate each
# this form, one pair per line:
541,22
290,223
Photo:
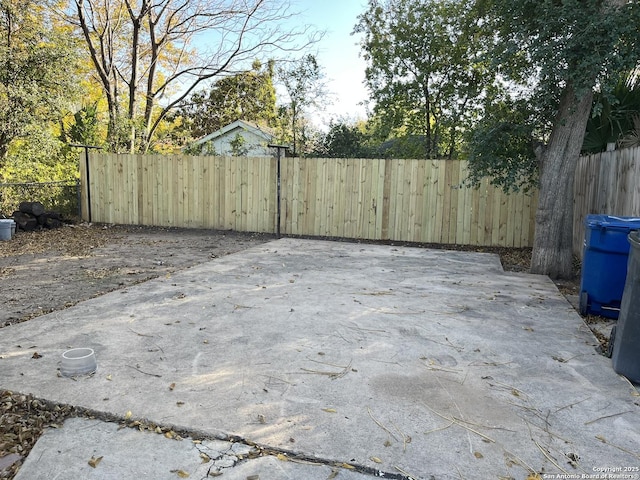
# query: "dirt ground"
49,270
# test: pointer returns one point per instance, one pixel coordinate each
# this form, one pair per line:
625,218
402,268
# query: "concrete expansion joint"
241,451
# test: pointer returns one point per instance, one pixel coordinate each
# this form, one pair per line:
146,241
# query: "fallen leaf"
205,458
330,410
282,457
478,455
180,473
94,461
347,466
172,386
128,415
376,460
108,377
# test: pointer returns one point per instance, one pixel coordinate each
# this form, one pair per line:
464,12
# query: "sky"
337,53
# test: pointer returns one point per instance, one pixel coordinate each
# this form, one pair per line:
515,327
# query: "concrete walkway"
315,360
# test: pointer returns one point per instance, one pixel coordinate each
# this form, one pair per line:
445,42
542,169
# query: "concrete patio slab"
387,361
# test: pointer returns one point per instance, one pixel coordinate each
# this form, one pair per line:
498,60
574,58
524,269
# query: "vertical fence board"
467,209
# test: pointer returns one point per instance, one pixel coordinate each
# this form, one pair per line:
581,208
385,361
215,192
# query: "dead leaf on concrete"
330,410
94,461
375,460
180,473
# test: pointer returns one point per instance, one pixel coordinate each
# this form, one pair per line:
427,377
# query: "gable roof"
238,124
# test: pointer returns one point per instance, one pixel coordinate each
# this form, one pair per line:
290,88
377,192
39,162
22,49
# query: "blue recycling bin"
604,263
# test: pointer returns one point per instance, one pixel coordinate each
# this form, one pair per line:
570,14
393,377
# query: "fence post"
281,149
86,160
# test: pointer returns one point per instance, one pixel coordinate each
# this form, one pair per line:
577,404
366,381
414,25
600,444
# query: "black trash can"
625,337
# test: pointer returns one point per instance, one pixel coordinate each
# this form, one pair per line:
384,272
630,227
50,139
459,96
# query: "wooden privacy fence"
605,183
403,200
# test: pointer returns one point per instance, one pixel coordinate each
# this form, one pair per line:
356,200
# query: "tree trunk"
34,208
24,221
553,241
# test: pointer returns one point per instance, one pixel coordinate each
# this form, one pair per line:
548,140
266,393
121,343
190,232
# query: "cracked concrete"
126,453
401,362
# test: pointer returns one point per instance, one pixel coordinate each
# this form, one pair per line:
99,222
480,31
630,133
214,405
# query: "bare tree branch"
173,46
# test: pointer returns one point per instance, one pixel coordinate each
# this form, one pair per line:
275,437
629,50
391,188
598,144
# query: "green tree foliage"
36,70
249,96
345,140
84,129
553,54
613,114
238,146
425,71
40,156
304,83
502,145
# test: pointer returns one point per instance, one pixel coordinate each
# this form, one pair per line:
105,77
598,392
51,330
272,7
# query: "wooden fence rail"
379,199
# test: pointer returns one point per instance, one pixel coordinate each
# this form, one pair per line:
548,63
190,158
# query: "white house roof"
238,124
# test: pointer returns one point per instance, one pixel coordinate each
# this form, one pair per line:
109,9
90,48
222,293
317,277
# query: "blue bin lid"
611,221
